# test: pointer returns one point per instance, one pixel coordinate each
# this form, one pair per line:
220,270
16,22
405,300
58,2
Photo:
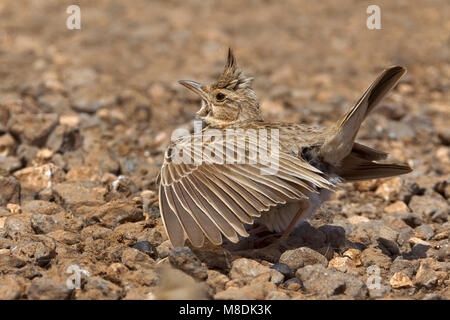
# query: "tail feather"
354,168
368,153
341,140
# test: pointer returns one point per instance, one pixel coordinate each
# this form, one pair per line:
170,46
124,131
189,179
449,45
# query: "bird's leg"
305,206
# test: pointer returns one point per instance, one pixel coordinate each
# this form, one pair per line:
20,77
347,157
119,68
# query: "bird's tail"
355,161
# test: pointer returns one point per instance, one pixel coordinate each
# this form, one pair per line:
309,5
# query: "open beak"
200,90
194,86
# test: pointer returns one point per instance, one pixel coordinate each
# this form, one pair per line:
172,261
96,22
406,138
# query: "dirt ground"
86,114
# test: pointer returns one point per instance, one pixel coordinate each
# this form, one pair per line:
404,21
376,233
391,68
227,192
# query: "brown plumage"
212,198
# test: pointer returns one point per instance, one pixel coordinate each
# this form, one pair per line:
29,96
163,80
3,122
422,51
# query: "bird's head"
229,100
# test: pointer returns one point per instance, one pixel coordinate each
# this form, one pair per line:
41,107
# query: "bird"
202,196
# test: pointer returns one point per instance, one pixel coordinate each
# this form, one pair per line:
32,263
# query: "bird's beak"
194,86
201,90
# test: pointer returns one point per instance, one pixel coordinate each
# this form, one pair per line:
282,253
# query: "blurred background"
86,114
303,54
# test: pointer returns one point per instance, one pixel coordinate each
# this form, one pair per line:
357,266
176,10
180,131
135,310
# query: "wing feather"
233,202
190,227
219,198
199,213
170,221
215,209
213,199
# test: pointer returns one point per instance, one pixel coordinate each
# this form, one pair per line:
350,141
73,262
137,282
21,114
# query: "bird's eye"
220,96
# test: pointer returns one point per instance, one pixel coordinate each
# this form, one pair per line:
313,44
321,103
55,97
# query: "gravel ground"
85,115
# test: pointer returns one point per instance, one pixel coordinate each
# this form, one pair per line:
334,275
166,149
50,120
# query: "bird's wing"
202,194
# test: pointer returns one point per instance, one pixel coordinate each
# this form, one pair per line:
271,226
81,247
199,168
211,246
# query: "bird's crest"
232,78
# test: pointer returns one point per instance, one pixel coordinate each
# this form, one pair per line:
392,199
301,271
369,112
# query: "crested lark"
215,198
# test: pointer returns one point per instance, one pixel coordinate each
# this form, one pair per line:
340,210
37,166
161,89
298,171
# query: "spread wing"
215,188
